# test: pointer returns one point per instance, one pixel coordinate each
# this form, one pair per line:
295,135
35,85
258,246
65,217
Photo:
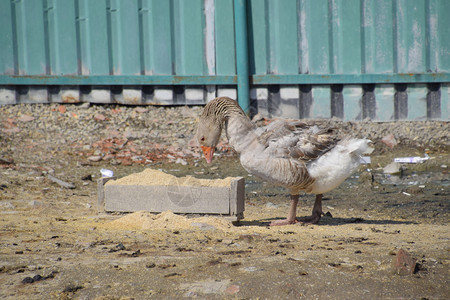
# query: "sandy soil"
56,236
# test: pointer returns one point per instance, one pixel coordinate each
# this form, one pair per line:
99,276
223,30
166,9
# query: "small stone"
100,117
27,280
389,140
85,105
203,226
303,273
108,157
95,158
392,168
26,118
140,109
214,262
14,129
414,190
72,288
172,274
112,133
150,265
181,161
271,205
62,183
87,177
249,238
232,289
403,263
328,214
250,269
7,204
120,247
62,109
334,265
35,203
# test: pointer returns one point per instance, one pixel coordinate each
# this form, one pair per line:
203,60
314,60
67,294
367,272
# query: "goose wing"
296,140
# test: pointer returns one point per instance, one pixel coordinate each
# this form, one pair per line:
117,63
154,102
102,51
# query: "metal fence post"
240,28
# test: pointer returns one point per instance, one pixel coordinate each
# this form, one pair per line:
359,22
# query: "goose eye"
202,139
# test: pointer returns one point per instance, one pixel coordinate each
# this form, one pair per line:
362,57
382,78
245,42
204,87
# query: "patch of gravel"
76,128
420,134
86,123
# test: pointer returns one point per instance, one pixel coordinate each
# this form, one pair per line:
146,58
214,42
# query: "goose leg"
316,212
292,215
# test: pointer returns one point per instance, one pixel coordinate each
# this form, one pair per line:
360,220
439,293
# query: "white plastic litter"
107,173
412,159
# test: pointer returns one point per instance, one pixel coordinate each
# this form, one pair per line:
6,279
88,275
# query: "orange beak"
208,152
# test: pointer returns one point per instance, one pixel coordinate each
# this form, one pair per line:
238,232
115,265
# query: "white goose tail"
332,168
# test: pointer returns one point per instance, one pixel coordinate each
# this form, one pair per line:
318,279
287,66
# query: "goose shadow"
327,221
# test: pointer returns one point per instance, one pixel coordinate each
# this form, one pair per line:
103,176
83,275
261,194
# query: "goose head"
208,135
214,117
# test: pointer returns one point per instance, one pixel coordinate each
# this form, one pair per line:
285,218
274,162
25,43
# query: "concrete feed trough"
156,191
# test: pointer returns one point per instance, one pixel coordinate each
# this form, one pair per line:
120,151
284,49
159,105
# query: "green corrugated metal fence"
353,59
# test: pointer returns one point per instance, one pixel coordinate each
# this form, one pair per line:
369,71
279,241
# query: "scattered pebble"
181,161
62,109
62,183
389,140
38,277
206,287
100,117
232,289
72,288
250,269
7,205
95,158
271,205
35,203
403,263
392,168
203,226
26,118
141,109
227,241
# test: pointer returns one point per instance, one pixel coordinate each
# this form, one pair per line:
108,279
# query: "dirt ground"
54,244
